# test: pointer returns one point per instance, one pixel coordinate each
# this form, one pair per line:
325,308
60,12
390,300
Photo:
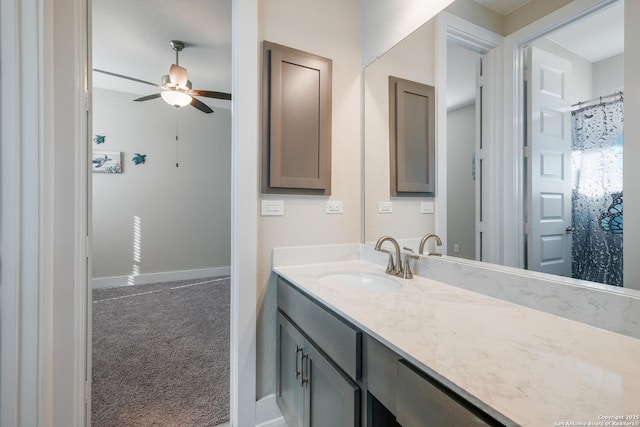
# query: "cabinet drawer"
337,339
380,371
421,401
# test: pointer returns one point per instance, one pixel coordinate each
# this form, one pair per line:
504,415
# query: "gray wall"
608,75
184,213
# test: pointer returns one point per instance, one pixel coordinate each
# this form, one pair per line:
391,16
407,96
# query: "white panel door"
549,163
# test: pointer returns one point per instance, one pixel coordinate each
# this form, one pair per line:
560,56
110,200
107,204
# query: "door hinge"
87,101
527,229
527,152
482,80
87,392
527,75
87,246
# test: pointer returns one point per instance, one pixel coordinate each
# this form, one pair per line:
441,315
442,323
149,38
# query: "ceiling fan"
176,86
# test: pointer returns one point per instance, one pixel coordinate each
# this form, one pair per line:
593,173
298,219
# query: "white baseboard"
267,412
168,276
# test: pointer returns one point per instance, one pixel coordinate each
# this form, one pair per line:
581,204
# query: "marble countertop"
535,368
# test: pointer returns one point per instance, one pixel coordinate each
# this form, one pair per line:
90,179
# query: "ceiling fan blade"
126,77
148,97
201,106
210,94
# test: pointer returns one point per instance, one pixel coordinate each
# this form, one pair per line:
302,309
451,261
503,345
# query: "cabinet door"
332,399
296,121
290,394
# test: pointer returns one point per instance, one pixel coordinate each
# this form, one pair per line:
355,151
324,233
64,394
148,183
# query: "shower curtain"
597,192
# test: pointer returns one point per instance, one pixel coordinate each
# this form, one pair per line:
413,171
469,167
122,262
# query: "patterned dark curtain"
597,192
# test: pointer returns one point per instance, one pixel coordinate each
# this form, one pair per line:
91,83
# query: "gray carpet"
161,354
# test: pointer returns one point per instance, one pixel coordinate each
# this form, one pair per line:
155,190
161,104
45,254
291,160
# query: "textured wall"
315,27
183,213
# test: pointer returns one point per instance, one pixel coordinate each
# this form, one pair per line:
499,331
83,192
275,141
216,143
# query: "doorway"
161,226
463,173
574,113
470,67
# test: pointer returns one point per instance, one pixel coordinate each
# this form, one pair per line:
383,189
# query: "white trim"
480,40
165,276
22,106
513,142
267,412
244,210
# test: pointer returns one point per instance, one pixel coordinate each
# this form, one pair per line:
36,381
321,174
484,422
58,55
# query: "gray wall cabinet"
411,138
296,121
331,374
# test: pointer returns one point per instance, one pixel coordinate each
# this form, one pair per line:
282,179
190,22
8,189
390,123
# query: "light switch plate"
426,207
385,207
272,208
333,207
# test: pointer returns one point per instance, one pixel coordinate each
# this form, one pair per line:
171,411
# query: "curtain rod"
599,98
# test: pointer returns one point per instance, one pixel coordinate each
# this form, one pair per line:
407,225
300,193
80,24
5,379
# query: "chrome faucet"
423,241
392,268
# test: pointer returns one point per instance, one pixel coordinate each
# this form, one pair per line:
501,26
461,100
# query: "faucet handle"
407,268
390,265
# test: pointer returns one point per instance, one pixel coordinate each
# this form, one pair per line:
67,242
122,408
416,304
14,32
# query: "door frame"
44,98
483,41
514,120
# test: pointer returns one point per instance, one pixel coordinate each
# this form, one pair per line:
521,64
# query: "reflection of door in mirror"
574,149
463,113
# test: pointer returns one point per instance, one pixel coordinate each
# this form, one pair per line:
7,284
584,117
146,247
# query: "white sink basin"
361,282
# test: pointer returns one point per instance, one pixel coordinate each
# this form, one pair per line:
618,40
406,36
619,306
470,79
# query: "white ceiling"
596,37
503,7
132,38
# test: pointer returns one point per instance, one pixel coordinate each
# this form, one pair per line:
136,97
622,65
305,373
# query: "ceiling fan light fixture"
176,98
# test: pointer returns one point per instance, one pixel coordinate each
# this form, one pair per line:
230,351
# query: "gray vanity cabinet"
289,380
331,374
318,362
311,390
414,398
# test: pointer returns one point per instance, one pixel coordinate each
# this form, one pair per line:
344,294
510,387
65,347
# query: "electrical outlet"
333,207
426,207
272,208
385,207
456,248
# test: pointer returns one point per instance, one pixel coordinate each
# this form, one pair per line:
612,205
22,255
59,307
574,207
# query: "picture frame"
106,162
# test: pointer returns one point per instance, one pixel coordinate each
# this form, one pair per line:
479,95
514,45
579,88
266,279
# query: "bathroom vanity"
330,373
357,347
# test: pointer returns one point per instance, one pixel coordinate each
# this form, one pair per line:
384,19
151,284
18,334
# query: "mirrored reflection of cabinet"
411,138
296,121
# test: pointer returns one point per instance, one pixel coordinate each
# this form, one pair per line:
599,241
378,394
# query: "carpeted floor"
161,354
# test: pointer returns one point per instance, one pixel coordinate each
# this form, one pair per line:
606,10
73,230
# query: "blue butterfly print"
611,220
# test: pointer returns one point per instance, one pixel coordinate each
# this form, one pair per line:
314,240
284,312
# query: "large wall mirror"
468,209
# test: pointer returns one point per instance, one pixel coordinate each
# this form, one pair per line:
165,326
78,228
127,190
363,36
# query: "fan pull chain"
177,153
